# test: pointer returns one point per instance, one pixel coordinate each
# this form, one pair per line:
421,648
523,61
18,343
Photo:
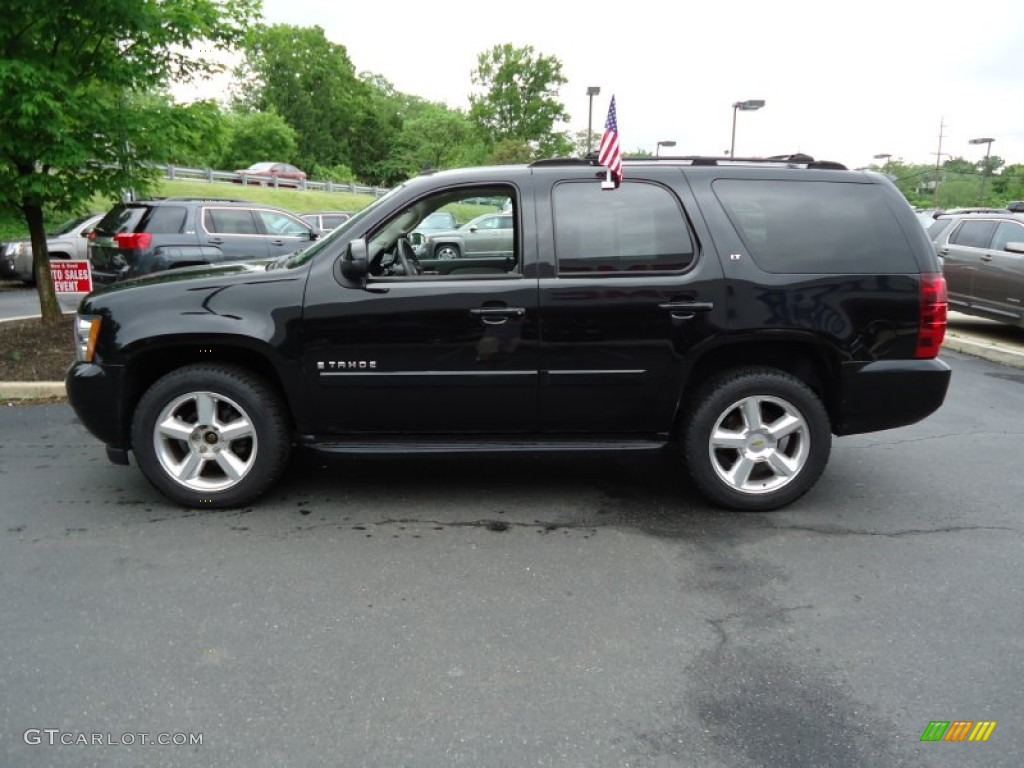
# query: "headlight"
87,330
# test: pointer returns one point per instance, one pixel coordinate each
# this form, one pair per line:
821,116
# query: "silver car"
68,241
489,235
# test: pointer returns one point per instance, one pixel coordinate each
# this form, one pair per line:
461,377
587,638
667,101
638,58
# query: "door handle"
686,310
986,257
216,240
277,242
497,315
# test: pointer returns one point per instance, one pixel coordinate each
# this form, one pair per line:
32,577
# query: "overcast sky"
841,81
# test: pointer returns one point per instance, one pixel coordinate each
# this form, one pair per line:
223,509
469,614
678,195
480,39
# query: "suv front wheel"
211,436
756,439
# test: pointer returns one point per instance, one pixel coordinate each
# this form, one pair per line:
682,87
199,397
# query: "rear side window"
973,234
937,228
637,228
229,221
166,220
809,227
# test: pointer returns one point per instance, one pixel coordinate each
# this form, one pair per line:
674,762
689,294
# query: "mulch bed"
31,351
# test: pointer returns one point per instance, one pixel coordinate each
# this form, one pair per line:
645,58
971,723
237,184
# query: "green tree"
254,137
312,84
519,98
76,119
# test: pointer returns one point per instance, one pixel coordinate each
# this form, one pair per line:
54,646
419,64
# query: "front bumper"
96,393
888,394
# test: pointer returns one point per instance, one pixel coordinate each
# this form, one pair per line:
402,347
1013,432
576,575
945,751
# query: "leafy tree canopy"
519,98
76,118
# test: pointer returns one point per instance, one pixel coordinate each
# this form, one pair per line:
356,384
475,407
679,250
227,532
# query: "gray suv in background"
146,236
983,261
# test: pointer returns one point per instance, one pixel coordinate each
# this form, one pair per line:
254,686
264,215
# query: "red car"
277,174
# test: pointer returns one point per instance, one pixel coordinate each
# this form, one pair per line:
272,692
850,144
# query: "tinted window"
1007,232
229,221
816,227
120,218
936,229
166,219
973,234
636,228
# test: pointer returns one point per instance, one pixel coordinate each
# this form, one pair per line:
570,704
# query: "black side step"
403,445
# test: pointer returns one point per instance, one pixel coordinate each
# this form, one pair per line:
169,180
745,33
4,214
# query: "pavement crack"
928,438
718,624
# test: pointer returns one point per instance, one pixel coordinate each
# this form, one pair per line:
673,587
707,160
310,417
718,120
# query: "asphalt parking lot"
491,611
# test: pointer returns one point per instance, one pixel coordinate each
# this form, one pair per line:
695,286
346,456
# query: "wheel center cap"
759,444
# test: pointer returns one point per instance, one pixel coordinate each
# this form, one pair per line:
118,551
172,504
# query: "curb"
31,390
983,349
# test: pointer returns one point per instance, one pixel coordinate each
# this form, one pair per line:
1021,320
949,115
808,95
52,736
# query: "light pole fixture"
657,150
592,91
883,156
749,105
984,172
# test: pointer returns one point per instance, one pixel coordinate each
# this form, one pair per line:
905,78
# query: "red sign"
71,276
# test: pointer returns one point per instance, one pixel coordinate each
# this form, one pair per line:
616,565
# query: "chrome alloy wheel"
759,444
205,441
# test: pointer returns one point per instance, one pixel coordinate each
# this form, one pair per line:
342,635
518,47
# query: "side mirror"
415,238
355,264
1015,247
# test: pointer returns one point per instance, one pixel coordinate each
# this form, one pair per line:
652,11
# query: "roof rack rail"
794,160
547,161
195,199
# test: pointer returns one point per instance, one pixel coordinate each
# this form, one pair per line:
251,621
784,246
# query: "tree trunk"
41,264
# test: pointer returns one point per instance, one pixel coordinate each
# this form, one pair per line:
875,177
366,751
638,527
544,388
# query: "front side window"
1007,232
279,224
638,228
808,227
455,233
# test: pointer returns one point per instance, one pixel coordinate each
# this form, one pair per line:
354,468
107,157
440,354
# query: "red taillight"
132,240
931,329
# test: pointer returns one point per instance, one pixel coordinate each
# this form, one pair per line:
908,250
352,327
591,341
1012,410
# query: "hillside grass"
297,201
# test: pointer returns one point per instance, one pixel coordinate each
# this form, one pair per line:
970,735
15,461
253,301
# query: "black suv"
137,238
746,310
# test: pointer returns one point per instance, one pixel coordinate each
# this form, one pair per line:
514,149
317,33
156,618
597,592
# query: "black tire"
193,463
773,440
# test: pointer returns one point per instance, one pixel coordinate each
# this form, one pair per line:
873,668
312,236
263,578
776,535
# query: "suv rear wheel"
756,439
211,436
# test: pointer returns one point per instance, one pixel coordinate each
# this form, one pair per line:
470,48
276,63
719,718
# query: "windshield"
304,256
67,226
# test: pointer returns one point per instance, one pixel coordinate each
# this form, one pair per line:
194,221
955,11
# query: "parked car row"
137,238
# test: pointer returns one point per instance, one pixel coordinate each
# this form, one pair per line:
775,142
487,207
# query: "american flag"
609,154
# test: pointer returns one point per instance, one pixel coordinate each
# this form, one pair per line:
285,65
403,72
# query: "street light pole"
592,91
883,156
745,106
657,150
984,171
